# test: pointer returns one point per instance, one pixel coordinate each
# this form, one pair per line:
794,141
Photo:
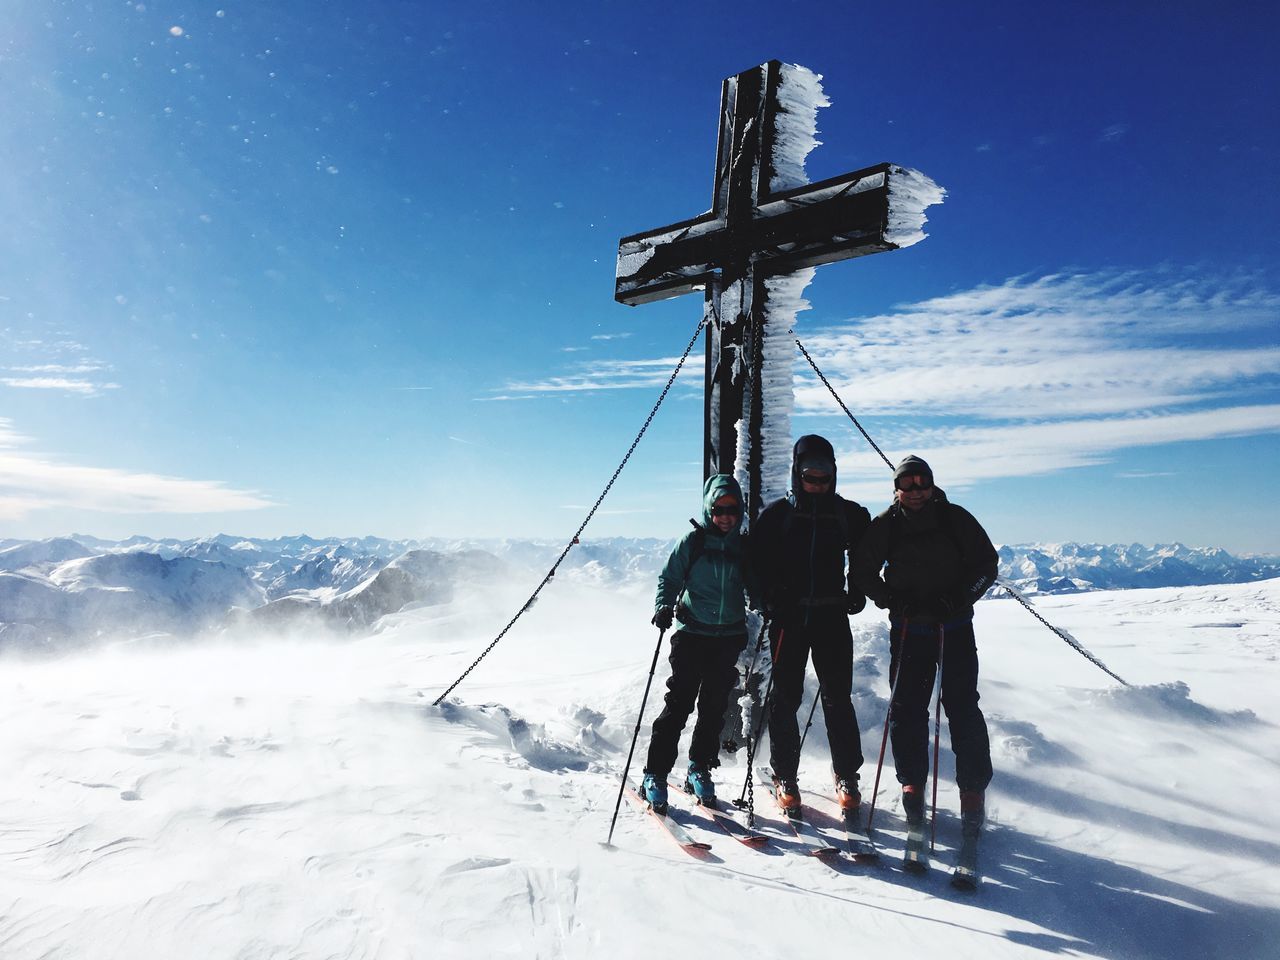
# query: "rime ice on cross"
753,253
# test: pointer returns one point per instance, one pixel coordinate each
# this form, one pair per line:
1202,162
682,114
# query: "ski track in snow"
286,799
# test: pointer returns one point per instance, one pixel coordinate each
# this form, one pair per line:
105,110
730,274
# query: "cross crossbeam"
760,226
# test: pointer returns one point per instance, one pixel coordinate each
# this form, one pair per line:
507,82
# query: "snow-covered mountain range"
71,590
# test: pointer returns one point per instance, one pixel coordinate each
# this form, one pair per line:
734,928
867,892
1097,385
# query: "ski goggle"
729,510
817,479
904,483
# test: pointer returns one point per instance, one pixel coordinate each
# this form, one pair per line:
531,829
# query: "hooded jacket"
705,580
799,542
938,561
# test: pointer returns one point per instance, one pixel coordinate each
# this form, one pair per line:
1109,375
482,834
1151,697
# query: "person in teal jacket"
702,587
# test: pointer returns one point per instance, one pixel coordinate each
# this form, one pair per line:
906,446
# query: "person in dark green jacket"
702,587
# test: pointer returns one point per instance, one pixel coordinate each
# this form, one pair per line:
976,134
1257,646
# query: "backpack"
698,547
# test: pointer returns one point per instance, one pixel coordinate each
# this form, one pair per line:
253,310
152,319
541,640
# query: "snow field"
296,799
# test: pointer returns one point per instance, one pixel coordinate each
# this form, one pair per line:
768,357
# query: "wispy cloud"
964,455
31,482
609,375
60,368
610,336
86,387
1033,375
61,365
1114,132
1066,344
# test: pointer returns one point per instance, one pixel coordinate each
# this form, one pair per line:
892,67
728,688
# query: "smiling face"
914,490
725,513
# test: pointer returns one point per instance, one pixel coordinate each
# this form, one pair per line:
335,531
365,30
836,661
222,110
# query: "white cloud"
85,387
60,368
610,375
1082,345
964,455
1033,375
33,482
610,336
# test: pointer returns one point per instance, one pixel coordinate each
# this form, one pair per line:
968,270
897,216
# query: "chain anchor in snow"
590,513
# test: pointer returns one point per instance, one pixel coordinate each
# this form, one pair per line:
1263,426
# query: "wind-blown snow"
116,591
273,799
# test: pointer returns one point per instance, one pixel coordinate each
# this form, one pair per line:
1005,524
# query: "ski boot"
848,797
654,790
787,793
698,782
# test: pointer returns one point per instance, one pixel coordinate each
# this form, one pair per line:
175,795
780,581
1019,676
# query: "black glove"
899,605
855,603
663,618
943,607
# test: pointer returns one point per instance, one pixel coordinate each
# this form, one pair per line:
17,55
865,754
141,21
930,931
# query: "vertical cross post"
752,254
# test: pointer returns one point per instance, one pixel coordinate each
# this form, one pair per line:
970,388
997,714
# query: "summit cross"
753,252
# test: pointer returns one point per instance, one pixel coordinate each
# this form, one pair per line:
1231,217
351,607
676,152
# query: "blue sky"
347,268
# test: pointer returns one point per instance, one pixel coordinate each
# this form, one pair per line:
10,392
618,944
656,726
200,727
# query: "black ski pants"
824,634
703,670
914,661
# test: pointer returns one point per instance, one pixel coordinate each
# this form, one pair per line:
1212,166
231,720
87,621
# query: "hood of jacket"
811,447
717,486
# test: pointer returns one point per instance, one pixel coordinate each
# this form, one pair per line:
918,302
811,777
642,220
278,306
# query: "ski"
814,841
916,858
672,828
965,876
861,847
727,822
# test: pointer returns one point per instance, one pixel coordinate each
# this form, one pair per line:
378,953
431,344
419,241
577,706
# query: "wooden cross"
752,234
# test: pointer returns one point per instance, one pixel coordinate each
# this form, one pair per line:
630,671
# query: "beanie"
911,466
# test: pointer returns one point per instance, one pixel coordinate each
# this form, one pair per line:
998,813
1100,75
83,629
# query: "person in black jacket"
798,548
937,562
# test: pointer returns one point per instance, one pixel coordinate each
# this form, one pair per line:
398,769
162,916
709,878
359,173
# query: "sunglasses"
817,479
731,510
920,484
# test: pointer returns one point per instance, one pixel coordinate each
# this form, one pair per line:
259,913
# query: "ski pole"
635,736
884,738
809,722
748,786
937,735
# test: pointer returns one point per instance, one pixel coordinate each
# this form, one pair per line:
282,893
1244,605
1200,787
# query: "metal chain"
748,788
591,513
1071,641
1009,588
827,384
